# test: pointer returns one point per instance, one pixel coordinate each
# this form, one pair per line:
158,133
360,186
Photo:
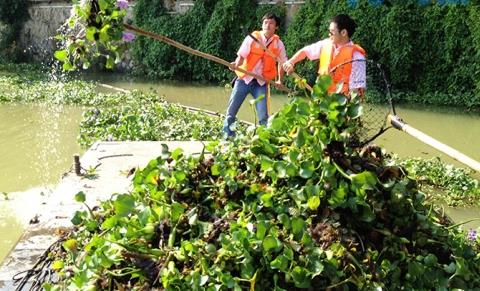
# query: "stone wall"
47,16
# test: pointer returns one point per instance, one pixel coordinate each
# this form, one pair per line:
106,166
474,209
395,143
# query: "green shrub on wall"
308,26
430,52
211,26
223,35
13,14
153,58
473,17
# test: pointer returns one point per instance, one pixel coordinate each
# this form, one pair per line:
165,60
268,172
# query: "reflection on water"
458,130
213,98
10,228
464,215
37,142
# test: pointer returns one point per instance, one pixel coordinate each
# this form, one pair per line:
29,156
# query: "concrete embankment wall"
47,16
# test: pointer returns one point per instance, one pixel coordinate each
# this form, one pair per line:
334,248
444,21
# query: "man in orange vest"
252,57
335,54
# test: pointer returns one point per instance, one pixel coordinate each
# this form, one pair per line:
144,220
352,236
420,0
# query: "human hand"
288,67
233,66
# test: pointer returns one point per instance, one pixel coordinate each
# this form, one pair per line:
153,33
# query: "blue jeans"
239,93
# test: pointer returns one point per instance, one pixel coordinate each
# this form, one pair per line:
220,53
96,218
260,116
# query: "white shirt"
358,74
244,51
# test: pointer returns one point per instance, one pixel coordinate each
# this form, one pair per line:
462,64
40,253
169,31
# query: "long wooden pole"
200,54
399,124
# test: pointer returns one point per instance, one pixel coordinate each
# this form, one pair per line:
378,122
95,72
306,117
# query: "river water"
37,142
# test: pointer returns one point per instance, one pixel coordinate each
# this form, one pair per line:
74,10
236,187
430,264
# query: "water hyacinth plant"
94,31
289,206
472,235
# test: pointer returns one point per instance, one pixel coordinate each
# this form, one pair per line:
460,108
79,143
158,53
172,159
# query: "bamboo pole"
399,124
200,54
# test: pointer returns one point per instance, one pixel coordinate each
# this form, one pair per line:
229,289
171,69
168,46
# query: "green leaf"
58,265
247,271
301,137
124,205
293,155
103,4
313,202
298,225
306,169
145,215
270,243
78,217
338,195
277,123
67,66
266,164
179,176
267,199
104,37
281,169
261,230
450,269
300,277
281,263
90,33
165,152
109,63
177,154
291,170
61,55
110,222
176,211
285,220
70,245
322,85
215,170
333,115
461,269
364,180
80,197
430,260
355,111
367,214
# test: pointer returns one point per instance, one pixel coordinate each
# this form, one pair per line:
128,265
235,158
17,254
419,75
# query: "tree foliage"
13,14
211,26
430,50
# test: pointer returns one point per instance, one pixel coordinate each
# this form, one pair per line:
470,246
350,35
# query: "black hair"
273,16
344,21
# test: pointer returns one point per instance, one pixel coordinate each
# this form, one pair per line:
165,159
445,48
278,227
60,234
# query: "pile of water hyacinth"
285,207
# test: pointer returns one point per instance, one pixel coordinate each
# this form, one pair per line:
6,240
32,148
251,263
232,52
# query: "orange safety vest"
257,53
341,74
